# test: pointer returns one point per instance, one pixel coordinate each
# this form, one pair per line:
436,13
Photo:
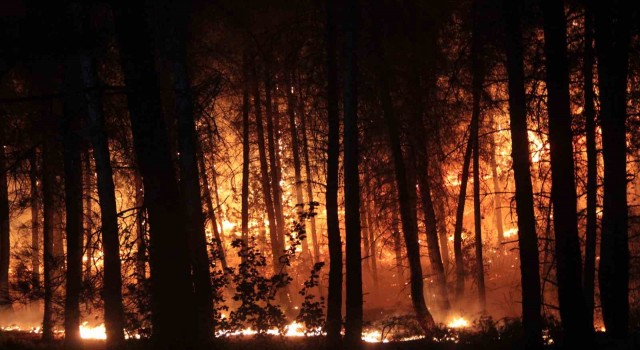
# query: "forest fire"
178,173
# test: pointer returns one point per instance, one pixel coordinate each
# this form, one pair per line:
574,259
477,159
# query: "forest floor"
27,341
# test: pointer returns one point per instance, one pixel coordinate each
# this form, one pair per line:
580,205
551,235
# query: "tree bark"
35,221
563,191
112,292
612,34
334,302
173,322
527,238
457,232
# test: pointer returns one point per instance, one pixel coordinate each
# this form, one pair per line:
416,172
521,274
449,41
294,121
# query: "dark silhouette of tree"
575,324
334,303
5,250
171,285
527,237
612,34
353,321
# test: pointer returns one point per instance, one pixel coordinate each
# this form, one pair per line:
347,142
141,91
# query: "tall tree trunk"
246,151
353,321
309,179
405,189
297,166
264,172
5,301
563,191
334,302
73,201
88,225
497,196
35,221
372,245
48,212
272,143
457,231
397,249
206,191
173,322
527,238
612,34
112,292
477,72
592,166
141,220
173,16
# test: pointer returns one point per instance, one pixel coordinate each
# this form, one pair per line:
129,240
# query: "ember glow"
458,322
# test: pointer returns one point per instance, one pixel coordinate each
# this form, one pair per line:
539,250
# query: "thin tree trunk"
457,231
35,221
353,321
397,249
592,166
612,34
477,71
334,302
173,314
206,191
86,174
73,201
527,237
372,245
246,151
563,191
112,292
264,172
5,250
48,205
141,240
497,197
309,179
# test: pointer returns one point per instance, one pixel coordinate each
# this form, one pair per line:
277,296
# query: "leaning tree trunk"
612,34
527,238
563,191
334,301
404,188
477,72
353,322
5,301
112,292
592,166
457,231
173,314
73,200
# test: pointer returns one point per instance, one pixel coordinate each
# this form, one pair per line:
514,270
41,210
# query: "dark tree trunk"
527,238
49,170
497,197
297,166
353,321
72,144
334,302
88,222
141,231
612,34
405,189
264,173
477,72
172,23
274,167
563,191
246,151
206,191
35,221
5,301
112,293
592,166
173,314
457,231
309,179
